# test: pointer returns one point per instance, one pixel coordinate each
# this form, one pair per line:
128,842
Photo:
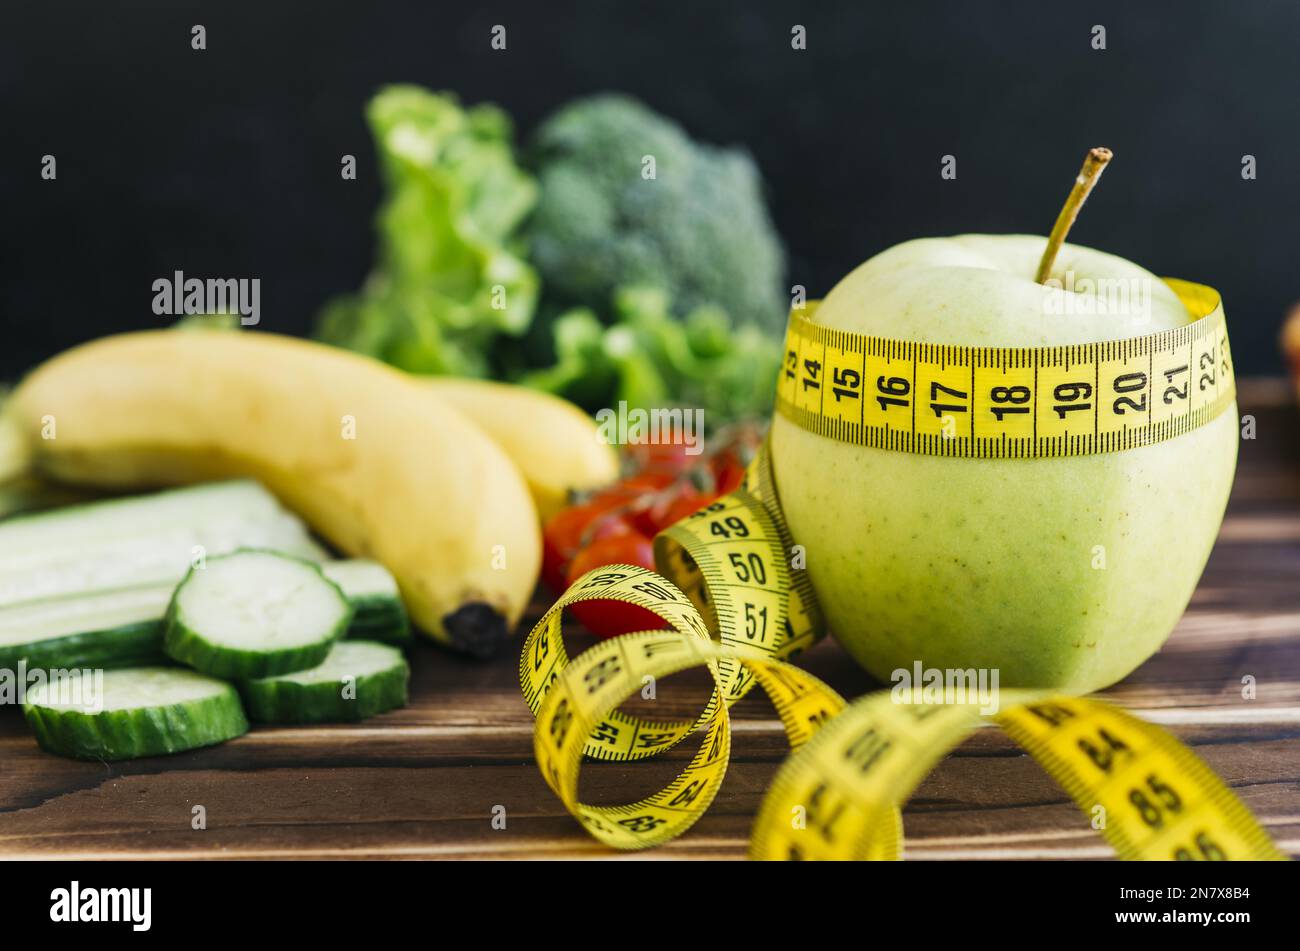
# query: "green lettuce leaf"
452,275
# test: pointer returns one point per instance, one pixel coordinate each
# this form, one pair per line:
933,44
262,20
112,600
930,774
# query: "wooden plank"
422,782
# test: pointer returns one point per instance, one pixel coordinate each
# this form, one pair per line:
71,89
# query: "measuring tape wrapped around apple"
725,573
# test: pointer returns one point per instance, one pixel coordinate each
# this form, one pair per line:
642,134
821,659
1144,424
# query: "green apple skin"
995,563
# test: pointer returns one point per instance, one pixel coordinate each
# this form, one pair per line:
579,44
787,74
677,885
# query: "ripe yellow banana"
555,444
361,451
14,457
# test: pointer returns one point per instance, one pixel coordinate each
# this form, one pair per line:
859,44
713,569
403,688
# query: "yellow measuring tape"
1016,402
734,606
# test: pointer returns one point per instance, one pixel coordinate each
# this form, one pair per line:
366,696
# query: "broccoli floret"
698,229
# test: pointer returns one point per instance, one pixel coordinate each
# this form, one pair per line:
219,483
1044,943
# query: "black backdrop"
225,162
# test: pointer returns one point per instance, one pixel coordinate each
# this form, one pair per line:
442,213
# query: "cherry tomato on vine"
670,456
611,618
565,534
685,504
641,483
728,472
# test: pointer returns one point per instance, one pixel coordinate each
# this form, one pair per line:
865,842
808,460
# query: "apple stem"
1094,163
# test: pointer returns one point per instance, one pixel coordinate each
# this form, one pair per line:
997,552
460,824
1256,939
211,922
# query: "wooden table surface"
423,782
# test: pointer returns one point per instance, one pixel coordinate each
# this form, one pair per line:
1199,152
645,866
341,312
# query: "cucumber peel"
124,627
358,679
143,711
109,629
377,610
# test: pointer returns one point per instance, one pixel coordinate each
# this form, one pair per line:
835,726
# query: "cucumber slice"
143,711
255,614
124,628
377,610
357,680
110,629
140,540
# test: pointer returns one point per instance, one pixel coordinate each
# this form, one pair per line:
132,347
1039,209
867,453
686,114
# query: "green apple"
1059,572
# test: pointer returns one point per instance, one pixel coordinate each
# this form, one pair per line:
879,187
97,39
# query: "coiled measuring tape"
734,606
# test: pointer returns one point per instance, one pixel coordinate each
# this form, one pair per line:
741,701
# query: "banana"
361,451
14,457
555,444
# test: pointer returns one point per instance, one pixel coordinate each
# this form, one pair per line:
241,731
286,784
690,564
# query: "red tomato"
611,618
684,506
609,525
569,530
670,457
648,516
563,536
642,483
728,472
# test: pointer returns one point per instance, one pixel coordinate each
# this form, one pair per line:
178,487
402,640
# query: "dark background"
226,162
